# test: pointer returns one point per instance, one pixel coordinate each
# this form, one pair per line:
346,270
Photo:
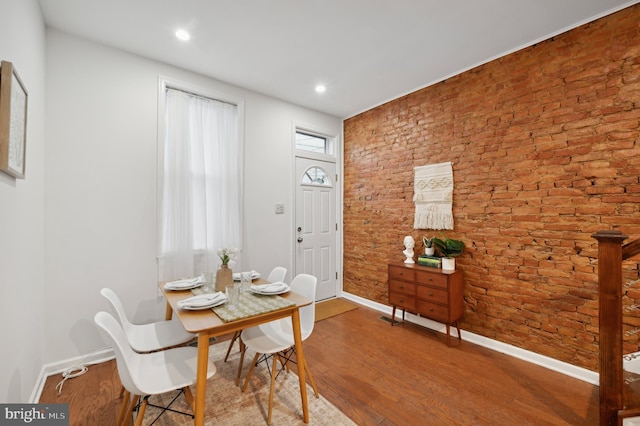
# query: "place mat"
251,305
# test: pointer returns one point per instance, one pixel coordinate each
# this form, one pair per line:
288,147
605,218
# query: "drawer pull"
401,286
431,294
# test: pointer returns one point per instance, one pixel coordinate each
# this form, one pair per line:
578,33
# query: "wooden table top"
207,321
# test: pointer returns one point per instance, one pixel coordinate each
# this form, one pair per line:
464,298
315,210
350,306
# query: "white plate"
184,284
201,308
254,275
202,301
270,289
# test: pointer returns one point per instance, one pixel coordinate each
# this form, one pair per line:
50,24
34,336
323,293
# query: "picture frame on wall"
13,121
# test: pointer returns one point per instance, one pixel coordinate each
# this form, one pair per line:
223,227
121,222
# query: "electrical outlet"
279,208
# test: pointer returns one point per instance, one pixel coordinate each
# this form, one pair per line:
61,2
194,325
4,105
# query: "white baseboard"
532,357
97,357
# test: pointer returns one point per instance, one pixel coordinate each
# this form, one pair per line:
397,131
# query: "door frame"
336,158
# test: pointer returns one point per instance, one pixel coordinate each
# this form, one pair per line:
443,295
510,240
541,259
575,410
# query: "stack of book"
431,261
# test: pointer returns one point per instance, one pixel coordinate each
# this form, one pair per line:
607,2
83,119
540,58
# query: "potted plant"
449,249
224,275
429,249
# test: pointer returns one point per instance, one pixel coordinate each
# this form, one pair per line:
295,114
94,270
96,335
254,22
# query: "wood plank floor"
404,375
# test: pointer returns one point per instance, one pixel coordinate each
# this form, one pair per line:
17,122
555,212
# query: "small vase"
448,263
224,277
429,251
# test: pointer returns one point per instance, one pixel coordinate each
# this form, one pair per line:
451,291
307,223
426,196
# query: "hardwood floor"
404,375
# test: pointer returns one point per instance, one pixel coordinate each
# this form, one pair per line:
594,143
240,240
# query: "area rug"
332,307
226,404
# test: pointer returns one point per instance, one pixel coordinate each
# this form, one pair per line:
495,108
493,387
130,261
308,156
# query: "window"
313,143
200,183
315,176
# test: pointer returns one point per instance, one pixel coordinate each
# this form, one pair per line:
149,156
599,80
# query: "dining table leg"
297,336
201,378
168,312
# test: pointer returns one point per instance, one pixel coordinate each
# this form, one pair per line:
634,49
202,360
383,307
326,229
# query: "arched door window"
316,176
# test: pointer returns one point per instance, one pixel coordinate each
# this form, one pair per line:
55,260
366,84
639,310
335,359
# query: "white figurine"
409,243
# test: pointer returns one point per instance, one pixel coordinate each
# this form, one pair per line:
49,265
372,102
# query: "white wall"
100,198
22,42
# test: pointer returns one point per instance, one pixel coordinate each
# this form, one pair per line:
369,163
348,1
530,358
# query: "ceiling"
366,52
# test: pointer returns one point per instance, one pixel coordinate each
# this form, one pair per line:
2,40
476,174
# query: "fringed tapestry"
433,196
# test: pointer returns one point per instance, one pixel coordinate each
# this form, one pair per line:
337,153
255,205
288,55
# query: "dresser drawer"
434,279
433,310
405,274
402,287
431,294
403,301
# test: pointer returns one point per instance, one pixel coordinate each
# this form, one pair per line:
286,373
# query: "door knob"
299,239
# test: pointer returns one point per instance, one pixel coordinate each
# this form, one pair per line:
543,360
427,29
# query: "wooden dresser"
430,292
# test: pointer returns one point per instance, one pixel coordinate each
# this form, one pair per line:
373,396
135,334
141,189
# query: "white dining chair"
148,337
275,339
146,374
277,274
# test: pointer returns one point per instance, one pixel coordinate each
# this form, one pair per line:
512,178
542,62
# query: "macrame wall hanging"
433,196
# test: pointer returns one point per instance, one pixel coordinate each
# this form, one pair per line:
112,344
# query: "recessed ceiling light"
320,88
183,35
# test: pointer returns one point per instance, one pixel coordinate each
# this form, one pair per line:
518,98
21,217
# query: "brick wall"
545,145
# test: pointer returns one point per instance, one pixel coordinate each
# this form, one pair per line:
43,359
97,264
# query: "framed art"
13,121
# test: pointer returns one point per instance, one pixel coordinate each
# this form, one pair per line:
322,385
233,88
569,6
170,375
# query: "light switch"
279,208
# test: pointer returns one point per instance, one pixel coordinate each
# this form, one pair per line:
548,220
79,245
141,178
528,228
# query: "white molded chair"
277,274
276,339
148,337
145,374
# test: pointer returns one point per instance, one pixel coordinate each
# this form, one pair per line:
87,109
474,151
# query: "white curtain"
200,186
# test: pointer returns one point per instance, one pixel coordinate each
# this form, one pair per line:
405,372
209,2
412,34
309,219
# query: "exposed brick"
545,145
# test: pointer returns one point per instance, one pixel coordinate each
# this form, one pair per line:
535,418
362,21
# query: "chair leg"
128,409
313,382
233,340
272,388
189,397
243,349
283,361
141,411
253,364
126,400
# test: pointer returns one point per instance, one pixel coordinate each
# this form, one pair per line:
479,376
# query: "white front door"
315,233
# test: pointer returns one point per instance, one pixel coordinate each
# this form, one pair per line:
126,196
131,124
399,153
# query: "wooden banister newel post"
610,323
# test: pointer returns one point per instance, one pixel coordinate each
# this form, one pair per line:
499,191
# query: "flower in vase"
227,254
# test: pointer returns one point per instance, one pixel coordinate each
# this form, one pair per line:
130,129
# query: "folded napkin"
270,288
184,283
237,275
202,300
